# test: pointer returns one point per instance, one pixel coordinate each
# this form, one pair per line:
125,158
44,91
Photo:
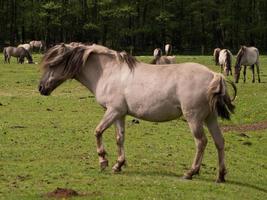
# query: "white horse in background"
168,49
159,59
247,56
39,45
25,46
225,61
123,86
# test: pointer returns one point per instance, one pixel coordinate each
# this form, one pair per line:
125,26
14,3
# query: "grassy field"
48,142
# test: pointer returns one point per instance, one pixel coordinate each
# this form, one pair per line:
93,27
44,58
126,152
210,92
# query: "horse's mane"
74,58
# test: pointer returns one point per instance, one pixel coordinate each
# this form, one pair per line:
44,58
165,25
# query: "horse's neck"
93,70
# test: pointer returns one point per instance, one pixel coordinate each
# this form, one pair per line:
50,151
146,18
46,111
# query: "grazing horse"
247,56
25,46
160,60
39,45
123,86
216,53
225,61
168,49
20,53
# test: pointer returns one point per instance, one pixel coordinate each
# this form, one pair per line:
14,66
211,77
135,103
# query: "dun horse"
160,60
225,61
39,45
20,53
247,56
124,86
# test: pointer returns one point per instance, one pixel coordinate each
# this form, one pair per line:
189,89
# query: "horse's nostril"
40,88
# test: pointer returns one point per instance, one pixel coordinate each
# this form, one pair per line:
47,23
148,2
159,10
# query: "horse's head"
56,68
238,64
29,58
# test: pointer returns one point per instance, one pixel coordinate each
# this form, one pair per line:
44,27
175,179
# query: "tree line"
195,26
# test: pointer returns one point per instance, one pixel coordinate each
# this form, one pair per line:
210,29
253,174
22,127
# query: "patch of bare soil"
62,193
246,127
68,193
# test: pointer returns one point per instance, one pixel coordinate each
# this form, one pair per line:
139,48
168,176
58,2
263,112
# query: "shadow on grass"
153,173
197,178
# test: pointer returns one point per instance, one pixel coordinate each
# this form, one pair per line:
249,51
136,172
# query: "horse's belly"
156,113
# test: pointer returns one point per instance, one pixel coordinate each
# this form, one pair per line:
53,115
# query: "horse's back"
252,56
166,89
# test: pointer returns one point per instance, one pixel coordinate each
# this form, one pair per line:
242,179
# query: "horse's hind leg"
201,143
258,71
110,116
216,134
244,73
253,73
120,130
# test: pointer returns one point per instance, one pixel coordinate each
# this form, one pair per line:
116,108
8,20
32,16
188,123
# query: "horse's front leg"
120,131
253,73
110,116
201,143
244,73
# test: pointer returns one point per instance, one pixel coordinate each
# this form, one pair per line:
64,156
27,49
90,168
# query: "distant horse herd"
246,56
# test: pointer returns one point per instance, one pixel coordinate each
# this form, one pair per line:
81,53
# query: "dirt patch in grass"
68,193
246,127
62,193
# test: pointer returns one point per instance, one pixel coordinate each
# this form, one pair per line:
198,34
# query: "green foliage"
144,24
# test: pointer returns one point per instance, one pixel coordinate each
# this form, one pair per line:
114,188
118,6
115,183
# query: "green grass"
48,142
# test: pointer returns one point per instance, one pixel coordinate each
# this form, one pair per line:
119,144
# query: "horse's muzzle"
43,91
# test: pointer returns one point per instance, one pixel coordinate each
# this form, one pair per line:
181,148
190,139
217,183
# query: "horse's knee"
220,144
98,133
120,138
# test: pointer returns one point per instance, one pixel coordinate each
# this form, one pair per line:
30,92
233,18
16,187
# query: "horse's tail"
219,99
228,59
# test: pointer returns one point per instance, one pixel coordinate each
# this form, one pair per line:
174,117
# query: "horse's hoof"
116,169
220,180
187,177
103,164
